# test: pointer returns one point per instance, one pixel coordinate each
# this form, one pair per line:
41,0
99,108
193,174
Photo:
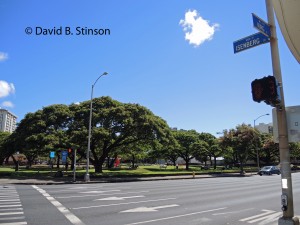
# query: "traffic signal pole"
286,178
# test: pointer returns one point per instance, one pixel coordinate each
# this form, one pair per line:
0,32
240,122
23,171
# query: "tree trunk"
98,168
215,162
187,164
57,162
2,158
16,163
133,161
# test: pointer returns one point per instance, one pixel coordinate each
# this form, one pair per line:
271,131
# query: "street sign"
52,154
261,25
250,42
64,155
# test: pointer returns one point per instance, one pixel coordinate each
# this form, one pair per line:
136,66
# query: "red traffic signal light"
267,90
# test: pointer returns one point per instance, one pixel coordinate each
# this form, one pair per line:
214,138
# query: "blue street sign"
52,154
64,155
250,42
261,25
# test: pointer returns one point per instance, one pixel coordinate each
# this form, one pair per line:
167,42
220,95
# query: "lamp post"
87,175
255,146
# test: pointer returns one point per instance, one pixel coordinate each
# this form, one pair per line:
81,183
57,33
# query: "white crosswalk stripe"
11,211
264,218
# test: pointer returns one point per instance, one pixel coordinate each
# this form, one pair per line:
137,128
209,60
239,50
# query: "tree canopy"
114,124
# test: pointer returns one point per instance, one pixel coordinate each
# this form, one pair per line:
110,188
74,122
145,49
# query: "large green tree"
5,151
188,141
115,125
42,131
213,150
268,150
242,140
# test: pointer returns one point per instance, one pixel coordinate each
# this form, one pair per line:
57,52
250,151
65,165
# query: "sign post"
286,177
74,167
267,33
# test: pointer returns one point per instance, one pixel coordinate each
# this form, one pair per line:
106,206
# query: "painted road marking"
178,216
11,211
70,216
8,206
96,192
149,209
114,198
13,218
266,217
124,203
82,196
15,223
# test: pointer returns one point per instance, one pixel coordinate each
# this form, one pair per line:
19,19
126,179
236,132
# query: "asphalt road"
213,201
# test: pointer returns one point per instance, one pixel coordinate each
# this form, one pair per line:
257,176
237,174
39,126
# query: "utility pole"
286,178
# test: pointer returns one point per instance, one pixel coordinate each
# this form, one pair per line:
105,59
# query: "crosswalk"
11,211
263,218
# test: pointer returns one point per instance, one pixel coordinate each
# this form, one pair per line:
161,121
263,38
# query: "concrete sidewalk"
69,180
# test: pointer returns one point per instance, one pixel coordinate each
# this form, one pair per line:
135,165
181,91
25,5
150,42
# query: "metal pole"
87,175
74,166
287,193
257,155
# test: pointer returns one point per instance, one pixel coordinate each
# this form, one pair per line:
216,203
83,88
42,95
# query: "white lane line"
114,198
13,218
70,216
5,203
173,217
8,200
148,209
8,196
7,206
11,213
232,212
124,203
266,212
87,187
1,210
97,192
267,219
8,193
15,223
83,196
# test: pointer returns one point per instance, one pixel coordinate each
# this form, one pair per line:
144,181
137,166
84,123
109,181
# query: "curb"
6,181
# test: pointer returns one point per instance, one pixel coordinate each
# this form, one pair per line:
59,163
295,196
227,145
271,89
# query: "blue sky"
192,81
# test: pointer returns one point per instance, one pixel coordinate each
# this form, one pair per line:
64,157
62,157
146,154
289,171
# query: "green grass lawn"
44,171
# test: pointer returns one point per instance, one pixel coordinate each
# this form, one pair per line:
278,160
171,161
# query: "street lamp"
255,146
87,175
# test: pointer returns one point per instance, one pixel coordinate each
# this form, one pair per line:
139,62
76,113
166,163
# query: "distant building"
265,128
8,121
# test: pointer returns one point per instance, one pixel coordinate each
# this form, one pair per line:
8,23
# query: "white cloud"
7,104
6,88
3,56
197,30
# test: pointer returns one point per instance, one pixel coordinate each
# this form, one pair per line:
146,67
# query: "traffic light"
267,90
70,152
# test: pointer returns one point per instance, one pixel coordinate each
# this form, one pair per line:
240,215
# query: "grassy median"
45,172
